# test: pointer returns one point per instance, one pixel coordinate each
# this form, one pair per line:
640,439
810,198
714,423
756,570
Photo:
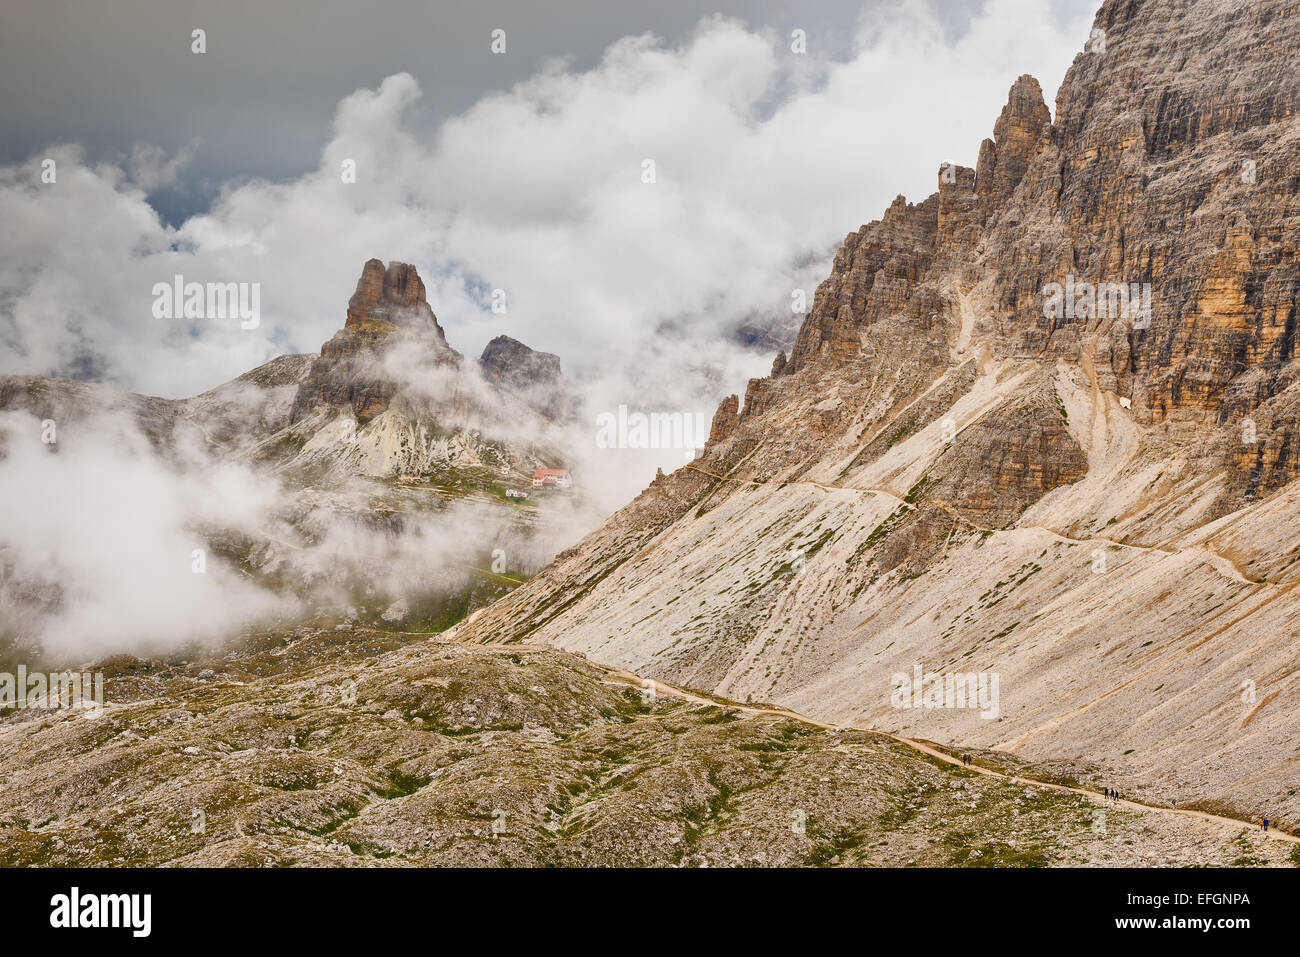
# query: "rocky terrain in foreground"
372,748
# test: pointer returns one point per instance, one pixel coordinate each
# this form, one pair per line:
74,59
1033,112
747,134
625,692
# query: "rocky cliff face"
508,362
390,298
1040,424
1175,171
533,376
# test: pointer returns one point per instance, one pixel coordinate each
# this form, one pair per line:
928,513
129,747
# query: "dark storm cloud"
258,104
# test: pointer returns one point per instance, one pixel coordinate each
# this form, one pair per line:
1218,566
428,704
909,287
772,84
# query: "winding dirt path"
1220,563
637,681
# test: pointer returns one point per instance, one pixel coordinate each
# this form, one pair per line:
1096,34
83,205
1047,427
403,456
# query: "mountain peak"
388,299
1016,134
508,361
534,376
391,296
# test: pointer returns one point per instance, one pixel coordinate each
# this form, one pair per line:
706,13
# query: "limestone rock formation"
391,297
533,376
389,306
388,396
1016,135
873,276
370,442
508,362
725,419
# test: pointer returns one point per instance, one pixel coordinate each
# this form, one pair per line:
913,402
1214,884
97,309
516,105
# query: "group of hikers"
1114,795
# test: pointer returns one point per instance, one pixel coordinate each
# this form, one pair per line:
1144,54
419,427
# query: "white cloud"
764,160
98,536
98,541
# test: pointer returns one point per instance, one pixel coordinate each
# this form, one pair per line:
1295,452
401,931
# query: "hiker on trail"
1265,825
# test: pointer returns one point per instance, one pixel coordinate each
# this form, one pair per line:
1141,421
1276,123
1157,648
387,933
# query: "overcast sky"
111,74
521,171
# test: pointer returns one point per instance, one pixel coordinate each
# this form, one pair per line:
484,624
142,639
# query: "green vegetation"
833,846
918,490
1060,407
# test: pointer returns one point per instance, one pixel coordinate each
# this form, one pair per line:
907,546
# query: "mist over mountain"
367,483
572,495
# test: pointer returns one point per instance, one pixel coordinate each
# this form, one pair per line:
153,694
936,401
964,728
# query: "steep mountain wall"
970,464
